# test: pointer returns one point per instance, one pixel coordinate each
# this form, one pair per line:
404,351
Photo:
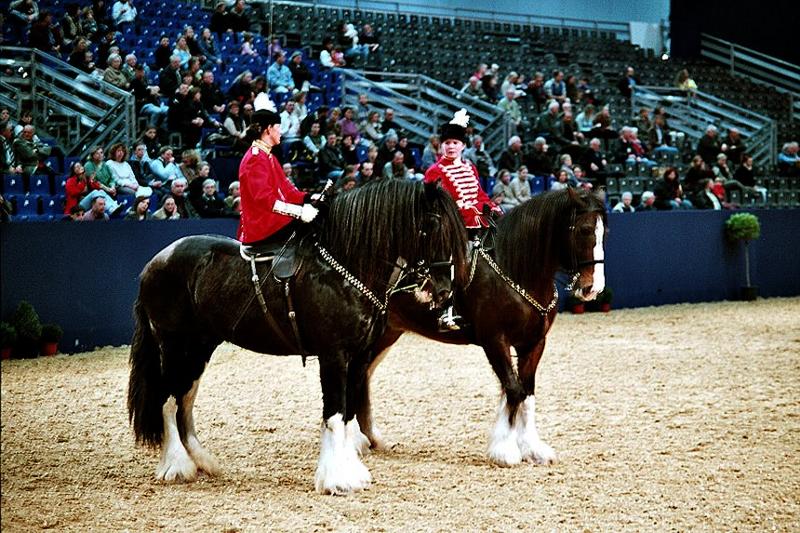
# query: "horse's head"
585,255
441,251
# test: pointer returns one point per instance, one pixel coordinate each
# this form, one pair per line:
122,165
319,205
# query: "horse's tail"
145,388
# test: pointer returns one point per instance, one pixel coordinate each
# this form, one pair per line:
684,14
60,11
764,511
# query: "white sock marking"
531,446
204,460
503,447
339,470
175,463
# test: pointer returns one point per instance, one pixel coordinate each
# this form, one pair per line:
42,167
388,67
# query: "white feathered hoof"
175,463
503,447
355,438
538,452
204,460
532,447
339,471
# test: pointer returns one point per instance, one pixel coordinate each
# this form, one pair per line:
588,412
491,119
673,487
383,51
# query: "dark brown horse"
510,301
199,292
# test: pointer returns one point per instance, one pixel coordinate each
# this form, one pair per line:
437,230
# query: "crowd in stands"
564,135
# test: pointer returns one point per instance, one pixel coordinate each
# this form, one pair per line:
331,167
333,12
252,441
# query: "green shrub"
51,333
8,335
29,330
606,296
743,227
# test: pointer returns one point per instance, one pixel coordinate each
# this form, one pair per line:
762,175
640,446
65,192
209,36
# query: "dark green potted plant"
576,305
51,335
604,299
29,330
8,337
744,227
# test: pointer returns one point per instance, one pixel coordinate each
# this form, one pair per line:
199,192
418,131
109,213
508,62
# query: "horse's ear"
572,194
431,189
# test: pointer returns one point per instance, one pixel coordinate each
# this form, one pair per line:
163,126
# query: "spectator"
709,146
129,67
396,168
566,133
705,198
648,198
489,86
169,78
210,94
479,157
722,169
191,41
734,145
698,171
512,81
349,154
473,88
584,120
29,153
430,154
538,160
659,139
90,27
625,206
347,38
502,193
627,82
347,182
789,160
241,89
512,158
98,209
150,140
122,175
290,124
168,209
162,55
106,47
548,122
631,148
327,57
100,10
366,172
372,127
520,187
362,108
219,22
555,88
181,51
643,122
301,75
234,127
669,193
208,204
595,161
190,170
331,164
603,127
238,19
482,68
140,209
371,40
746,176
248,45
389,124
685,83
140,164
23,13
536,93
208,47
274,47
42,36
348,126
78,57
124,14
233,194
386,151
113,73
7,165
182,204
511,108
314,141
561,182
79,186
164,168
571,88
279,75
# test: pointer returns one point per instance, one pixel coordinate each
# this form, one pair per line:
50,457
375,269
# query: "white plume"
460,118
262,102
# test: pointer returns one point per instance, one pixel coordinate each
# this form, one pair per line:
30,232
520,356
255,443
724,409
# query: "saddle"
282,255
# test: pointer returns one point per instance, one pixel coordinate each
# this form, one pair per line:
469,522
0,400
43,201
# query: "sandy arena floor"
677,418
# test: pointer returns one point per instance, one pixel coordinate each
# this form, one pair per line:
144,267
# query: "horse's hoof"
354,478
539,453
505,452
177,470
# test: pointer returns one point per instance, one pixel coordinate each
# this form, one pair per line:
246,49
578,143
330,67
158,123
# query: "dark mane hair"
532,238
369,227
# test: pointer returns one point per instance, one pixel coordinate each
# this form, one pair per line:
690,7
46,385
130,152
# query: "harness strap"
293,320
270,319
518,288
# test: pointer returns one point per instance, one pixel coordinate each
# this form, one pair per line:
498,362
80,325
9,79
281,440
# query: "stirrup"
449,321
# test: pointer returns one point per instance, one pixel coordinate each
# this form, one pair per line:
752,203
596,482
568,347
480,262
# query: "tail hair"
145,385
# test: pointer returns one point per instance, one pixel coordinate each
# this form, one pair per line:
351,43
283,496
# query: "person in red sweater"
270,203
460,177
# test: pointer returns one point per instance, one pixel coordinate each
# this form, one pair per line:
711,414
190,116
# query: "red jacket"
461,181
76,191
261,183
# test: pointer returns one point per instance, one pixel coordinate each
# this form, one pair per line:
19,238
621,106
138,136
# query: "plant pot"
605,307
5,353
748,293
578,309
49,348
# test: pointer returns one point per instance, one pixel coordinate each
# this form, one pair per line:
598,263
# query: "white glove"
308,213
316,196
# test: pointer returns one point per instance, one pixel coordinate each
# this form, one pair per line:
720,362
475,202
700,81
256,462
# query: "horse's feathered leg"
503,447
531,445
204,460
339,469
362,401
356,389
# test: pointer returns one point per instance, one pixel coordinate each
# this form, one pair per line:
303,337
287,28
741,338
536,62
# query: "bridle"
575,265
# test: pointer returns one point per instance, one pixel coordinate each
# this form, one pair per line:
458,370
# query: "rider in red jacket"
270,202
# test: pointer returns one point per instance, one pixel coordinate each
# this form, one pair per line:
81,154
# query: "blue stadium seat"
40,185
28,206
53,205
12,184
537,184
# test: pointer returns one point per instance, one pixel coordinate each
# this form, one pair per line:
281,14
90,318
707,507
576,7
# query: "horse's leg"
175,463
363,402
356,390
531,446
503,447
200,353
339,469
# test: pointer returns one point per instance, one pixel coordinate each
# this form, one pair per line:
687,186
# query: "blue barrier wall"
84,276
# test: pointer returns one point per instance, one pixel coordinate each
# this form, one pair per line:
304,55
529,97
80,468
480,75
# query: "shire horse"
198,292
510,300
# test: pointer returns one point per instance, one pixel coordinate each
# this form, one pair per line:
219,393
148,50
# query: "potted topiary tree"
8,337
576,305
744,227
29,330
51,335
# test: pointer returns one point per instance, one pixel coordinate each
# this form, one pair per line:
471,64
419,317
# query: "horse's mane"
531,238
369,227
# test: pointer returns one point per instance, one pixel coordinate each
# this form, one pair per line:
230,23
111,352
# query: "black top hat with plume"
456,128
265,114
